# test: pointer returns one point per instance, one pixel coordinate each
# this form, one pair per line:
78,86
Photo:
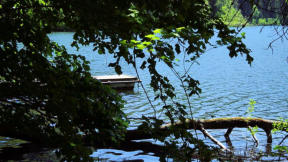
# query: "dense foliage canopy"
48,96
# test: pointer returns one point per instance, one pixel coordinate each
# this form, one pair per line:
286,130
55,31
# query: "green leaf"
132,15
72,144
151,50
175,35
146,43
140,46
150,36
58,53
155,38
134,41
123,42
180,29
134,11
42,2
281,148
157,31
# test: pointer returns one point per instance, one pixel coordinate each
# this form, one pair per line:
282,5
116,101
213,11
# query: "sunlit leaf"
123,42
157,31
135,42
180,29
140,46
146,43
150,36
155,38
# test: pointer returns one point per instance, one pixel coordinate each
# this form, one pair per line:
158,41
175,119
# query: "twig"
147,96
253,135
283,139
206,134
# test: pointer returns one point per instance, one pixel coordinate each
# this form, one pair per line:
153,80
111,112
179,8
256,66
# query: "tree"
48,96
229,14
268,12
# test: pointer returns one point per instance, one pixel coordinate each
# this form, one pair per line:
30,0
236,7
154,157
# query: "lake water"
227,85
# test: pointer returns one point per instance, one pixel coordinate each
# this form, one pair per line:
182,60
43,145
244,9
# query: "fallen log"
202,125
216,123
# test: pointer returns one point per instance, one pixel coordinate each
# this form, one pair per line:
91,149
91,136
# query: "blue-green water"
227,85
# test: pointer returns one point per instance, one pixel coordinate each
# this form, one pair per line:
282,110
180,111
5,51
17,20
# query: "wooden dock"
119,82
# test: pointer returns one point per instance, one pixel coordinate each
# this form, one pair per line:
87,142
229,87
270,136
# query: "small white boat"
121,82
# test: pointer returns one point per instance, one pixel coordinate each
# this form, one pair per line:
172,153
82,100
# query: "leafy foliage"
282,125
54,102
251,107
49,96
230,15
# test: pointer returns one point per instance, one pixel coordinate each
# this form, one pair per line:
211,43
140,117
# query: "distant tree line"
236,13
239,12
